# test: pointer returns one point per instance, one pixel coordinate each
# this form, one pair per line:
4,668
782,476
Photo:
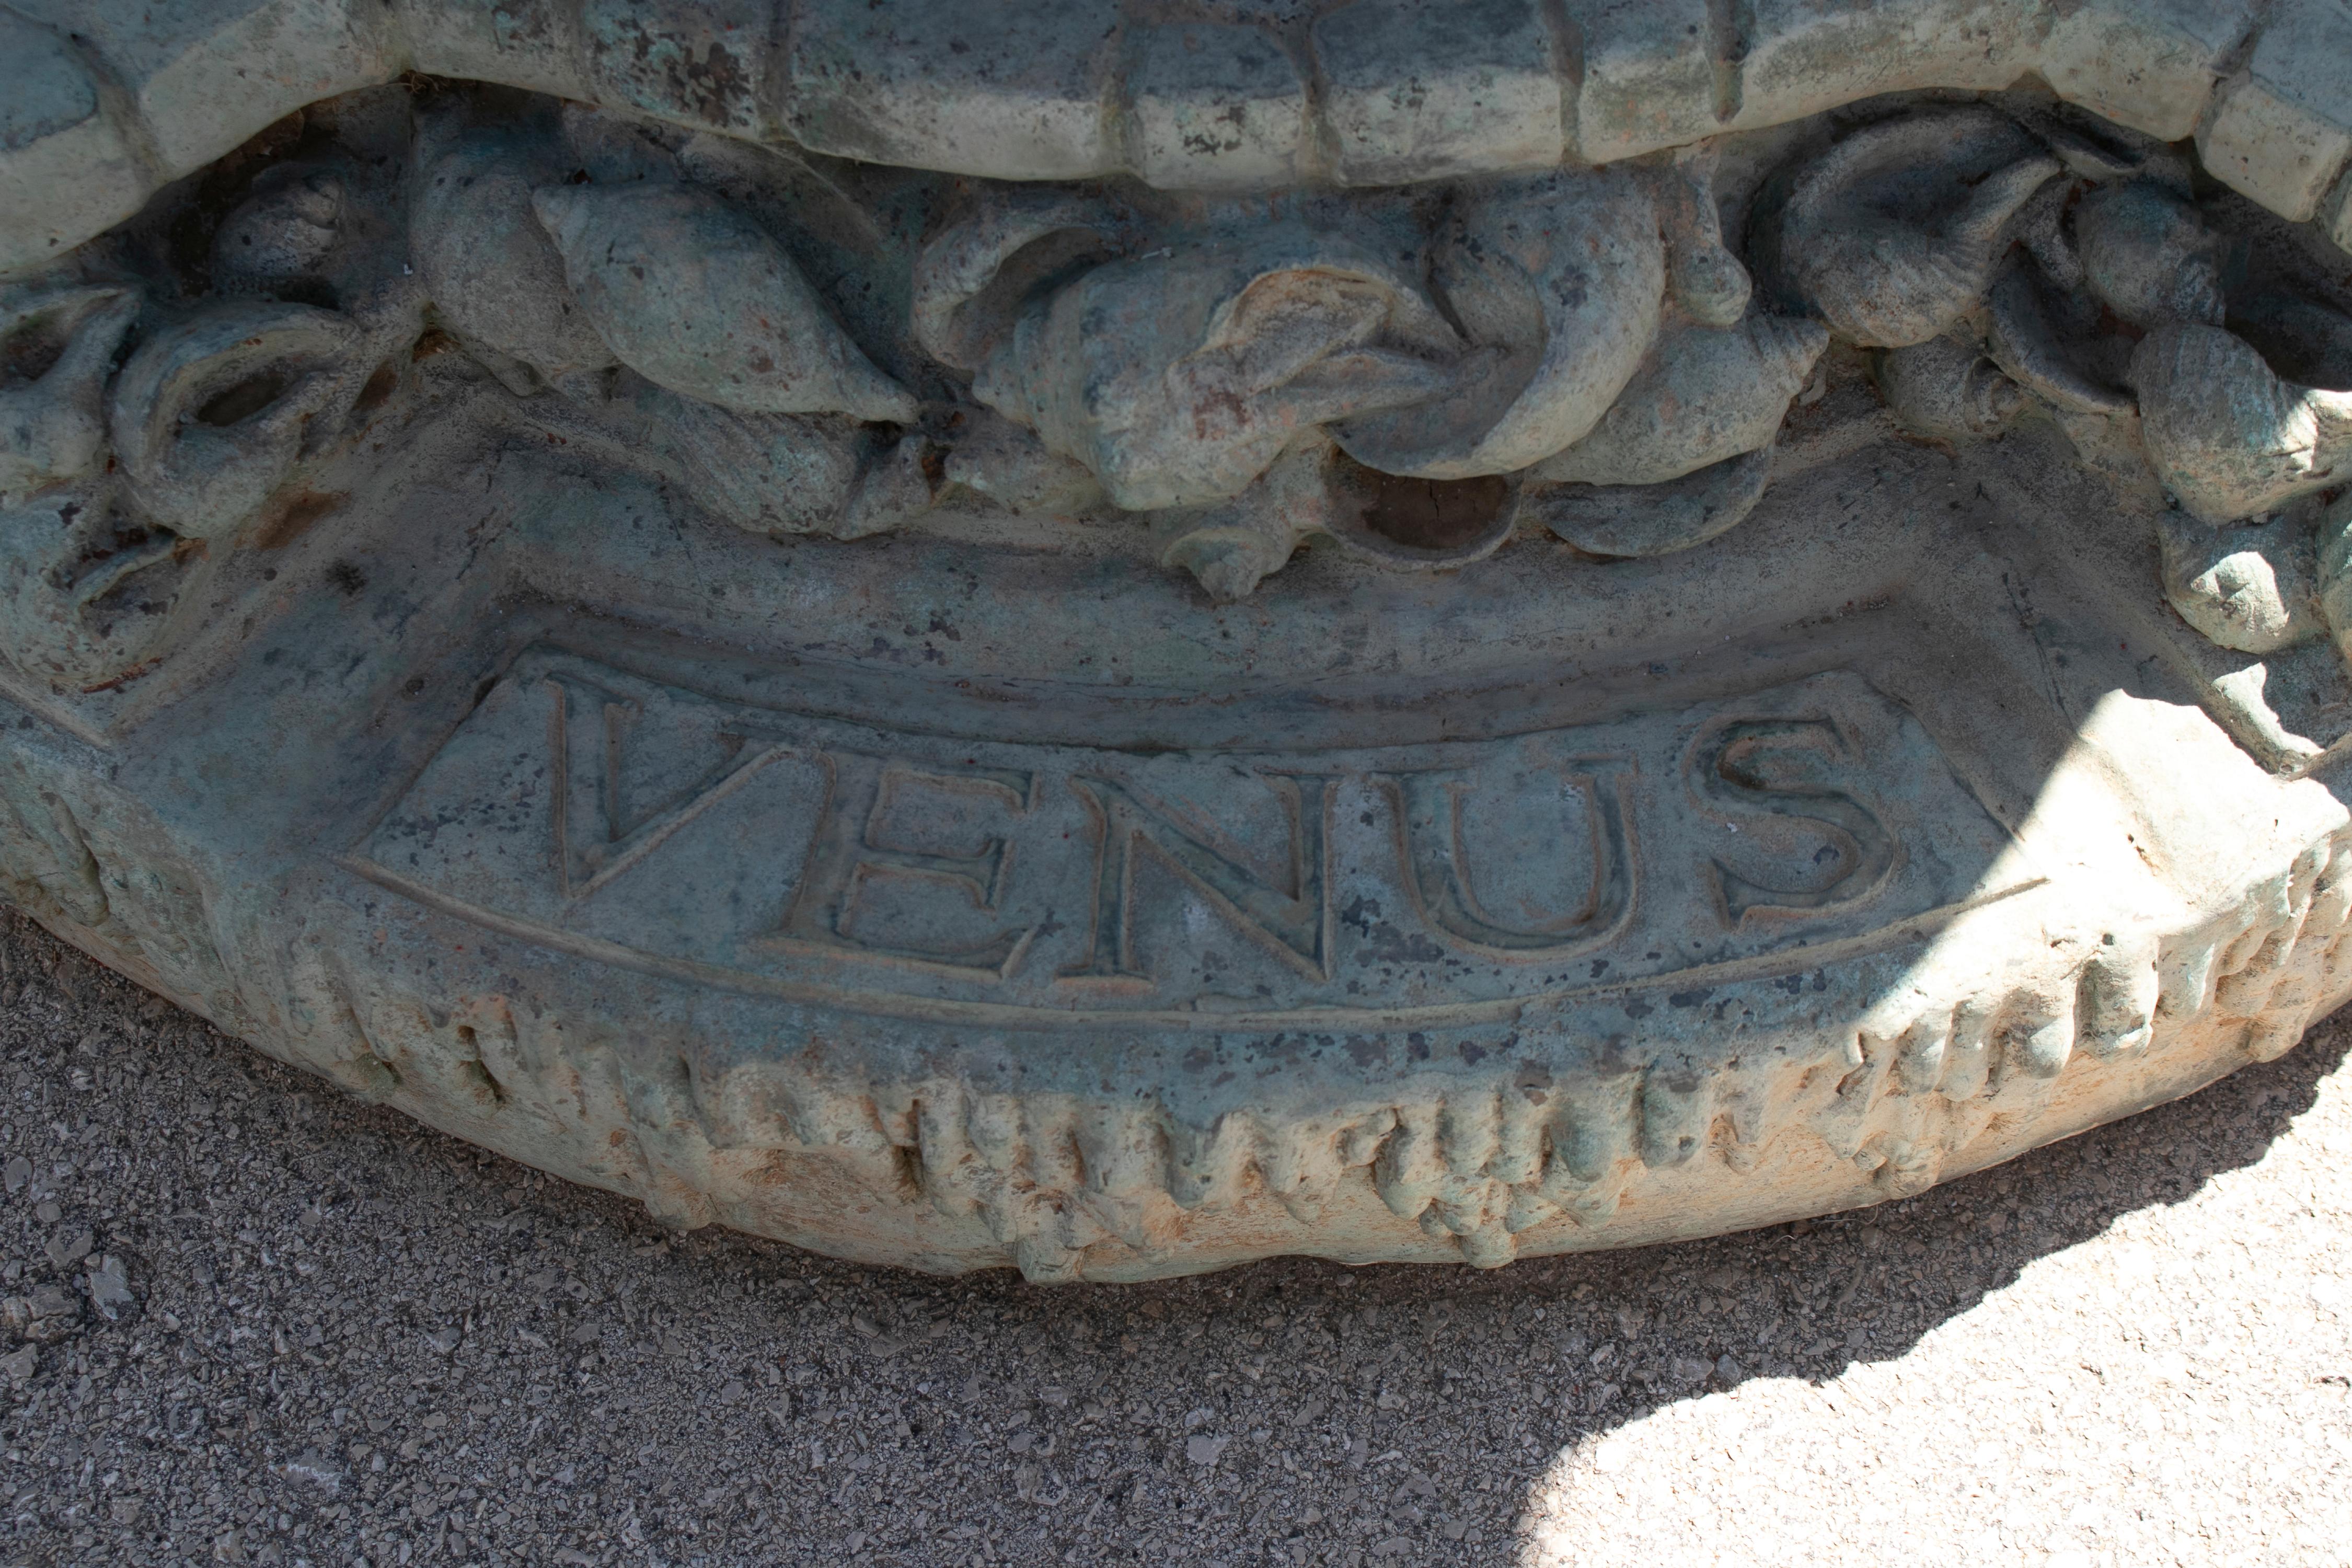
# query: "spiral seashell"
2226,434
284,234
56,349
781,474
1891,236
692,294
489,266
2020,339
1558,282
1705,394
2255,590
2149,254
1948,391
1179,377
972,281
210,416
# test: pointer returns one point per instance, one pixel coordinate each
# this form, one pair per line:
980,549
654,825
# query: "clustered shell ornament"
1577,349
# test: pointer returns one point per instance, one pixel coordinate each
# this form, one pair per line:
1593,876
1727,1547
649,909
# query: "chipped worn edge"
946,1170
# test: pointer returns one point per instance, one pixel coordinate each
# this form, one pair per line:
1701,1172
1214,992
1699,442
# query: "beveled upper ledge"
104,102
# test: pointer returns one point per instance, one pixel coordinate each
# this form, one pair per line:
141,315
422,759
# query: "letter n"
1290,915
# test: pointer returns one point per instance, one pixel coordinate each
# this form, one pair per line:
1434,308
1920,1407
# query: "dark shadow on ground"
495,1367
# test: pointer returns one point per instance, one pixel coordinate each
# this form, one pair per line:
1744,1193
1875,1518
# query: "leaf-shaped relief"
1891,236
1557,284
211,415
492,273
1180,377
692,294
56,347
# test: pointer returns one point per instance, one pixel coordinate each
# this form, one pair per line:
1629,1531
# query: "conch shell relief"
1600,356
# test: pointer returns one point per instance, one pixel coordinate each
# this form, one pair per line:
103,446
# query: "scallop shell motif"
1704,396
1891,236
695,295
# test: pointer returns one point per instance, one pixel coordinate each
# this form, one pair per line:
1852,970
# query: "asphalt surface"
249,1320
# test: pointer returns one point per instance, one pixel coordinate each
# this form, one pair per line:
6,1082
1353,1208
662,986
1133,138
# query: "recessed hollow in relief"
1132,647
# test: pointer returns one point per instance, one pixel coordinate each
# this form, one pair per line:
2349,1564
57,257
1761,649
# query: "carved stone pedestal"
1106,642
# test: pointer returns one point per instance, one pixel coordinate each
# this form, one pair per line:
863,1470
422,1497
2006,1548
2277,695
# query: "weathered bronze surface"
1118,640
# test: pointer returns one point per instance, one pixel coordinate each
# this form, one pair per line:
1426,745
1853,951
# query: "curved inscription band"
119,100
998,883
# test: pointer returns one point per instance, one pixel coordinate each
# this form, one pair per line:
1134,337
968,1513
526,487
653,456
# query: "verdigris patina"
1118,637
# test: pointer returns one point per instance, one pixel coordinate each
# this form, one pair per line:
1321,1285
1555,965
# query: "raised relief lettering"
715,841
1289,913
1797,841
603,827
910,864
1588,876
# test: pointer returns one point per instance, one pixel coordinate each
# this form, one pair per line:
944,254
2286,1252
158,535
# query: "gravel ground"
248,1321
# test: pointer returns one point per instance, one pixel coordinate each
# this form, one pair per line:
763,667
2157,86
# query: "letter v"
588,729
